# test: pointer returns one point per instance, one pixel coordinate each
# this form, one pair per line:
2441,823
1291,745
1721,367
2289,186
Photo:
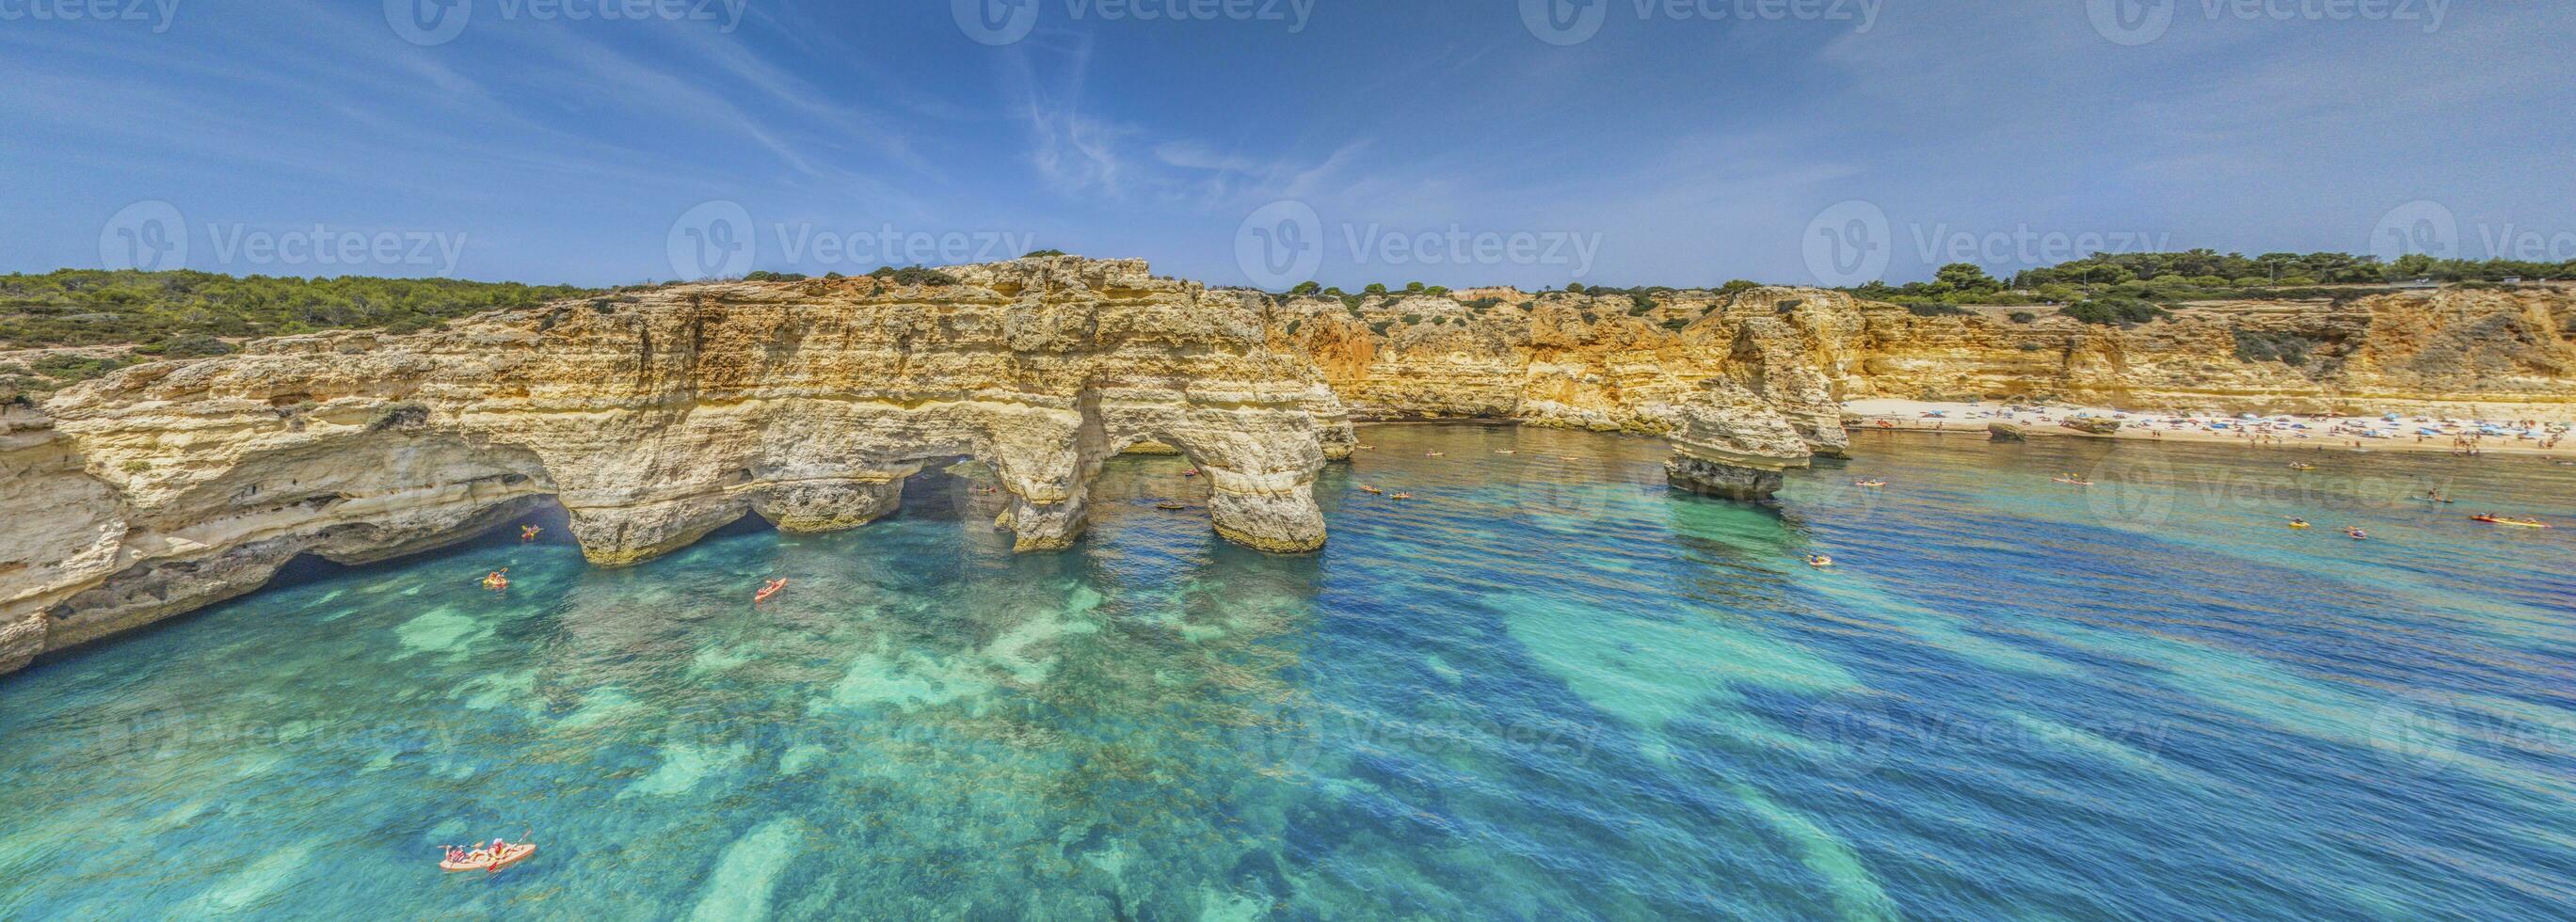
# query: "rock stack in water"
654,417
1732,444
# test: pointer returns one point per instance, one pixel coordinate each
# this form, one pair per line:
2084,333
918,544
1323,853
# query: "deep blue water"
1545,688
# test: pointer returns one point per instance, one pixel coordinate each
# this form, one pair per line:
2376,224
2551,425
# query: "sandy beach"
2278,432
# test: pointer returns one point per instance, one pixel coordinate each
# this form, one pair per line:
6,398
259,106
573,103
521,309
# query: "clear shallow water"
1545,688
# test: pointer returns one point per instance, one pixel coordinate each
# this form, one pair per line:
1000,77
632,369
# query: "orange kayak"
767,591
515,854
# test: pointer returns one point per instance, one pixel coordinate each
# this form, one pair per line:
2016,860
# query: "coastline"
1898,415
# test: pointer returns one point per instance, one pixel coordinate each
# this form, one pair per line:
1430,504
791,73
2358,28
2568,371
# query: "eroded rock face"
1614,362
1733,444
654,418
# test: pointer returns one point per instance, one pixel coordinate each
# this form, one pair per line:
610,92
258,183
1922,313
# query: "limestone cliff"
653,418
2453,351
1625,361
1734,443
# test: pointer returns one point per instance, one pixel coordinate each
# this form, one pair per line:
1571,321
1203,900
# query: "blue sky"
1446,142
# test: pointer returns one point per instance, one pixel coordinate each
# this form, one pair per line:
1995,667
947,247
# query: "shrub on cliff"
1034,254
1936,309
2105,311
913,275
2283,347
2021,316
88,307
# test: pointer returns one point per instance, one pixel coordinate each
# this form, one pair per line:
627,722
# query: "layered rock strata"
1625,361
653,418
1734,444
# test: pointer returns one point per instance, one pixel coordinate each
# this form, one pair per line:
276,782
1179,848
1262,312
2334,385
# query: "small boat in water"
1171,506
492,863
1869,483
497,580
2517,523
775,587
1403,496
1373,491
1819,561
2077,481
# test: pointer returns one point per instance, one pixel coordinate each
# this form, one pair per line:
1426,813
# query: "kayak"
2080,483
767,591
515,854
2517,523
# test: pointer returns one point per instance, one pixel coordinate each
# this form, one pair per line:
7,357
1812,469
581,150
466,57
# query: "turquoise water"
1545,688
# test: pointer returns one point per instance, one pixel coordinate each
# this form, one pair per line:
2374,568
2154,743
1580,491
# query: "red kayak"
774,588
